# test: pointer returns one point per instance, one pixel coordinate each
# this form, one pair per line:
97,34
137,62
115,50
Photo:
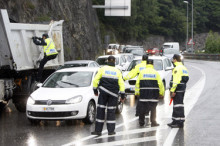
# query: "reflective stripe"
100,121
129,77
178,118
111,107
94,87
178,105
180,91
148,100
101,106
109,92
149,88
122,92
111,77
176,83
110,122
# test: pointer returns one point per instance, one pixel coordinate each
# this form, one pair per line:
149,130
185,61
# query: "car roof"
93,69
78,61
105,56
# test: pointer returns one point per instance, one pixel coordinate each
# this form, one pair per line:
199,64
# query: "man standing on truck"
49,52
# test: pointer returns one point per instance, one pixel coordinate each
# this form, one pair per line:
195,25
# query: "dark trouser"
110,101
178,108
138,106
42,63
146,107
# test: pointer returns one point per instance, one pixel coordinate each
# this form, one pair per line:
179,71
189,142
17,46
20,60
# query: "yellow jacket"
134,72
180,77
149,84
49,49
110,78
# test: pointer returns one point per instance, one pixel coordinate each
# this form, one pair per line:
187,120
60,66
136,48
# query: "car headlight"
74,100
30,100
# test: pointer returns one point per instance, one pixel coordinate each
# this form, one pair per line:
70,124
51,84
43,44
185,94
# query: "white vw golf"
66,95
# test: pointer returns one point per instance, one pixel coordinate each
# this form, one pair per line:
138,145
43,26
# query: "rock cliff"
80,29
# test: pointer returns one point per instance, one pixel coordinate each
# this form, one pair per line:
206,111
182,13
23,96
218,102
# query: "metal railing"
215,57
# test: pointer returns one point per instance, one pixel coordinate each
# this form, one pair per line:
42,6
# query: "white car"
67,94
161,64
120,61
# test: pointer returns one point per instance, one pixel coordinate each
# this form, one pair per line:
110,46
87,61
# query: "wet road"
202,108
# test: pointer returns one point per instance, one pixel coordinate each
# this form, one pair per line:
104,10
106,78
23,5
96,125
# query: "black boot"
96,133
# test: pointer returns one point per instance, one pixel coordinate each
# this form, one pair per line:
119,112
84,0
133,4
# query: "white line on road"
128,141
127,132
92,136
189,102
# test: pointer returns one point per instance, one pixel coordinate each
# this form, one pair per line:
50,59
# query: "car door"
168,71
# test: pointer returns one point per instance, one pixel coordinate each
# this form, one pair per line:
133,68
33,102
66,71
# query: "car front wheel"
91,113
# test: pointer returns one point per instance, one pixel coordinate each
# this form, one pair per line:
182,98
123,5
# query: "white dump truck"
19,56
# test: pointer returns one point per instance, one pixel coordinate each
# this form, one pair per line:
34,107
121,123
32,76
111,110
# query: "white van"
171,48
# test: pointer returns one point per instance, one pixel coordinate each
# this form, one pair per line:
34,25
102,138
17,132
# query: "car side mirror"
168,68
39,85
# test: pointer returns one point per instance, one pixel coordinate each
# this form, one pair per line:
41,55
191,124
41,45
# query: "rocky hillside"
81,28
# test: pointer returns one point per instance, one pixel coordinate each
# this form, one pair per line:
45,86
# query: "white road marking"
127,132
189,102
128,141
92,136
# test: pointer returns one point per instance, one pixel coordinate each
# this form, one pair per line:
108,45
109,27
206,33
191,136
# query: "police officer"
110,82
178,82
150,88
49,52
134,72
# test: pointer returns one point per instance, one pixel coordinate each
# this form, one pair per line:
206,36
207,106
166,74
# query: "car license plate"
47,109
132,88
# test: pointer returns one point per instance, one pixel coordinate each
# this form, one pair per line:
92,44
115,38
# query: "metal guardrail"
215,57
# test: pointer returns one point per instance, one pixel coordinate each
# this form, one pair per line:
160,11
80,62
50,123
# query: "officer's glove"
122,99
96,92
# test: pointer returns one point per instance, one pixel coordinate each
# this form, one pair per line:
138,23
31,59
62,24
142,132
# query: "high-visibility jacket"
49,49
109,79
179,79
134,72
149,85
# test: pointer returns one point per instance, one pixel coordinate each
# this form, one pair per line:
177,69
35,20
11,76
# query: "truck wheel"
20,104
91,113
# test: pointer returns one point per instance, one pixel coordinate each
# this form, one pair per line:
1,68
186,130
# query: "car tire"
33,121
91,113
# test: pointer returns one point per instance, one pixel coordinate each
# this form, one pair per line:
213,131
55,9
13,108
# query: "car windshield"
158,65
69,80
73,65
170,51
104,61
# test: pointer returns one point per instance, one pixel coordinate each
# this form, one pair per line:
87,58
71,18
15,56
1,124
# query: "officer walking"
134,72
178,82
49,52
110,82
150,88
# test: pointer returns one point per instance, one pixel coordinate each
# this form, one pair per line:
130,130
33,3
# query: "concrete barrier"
215,57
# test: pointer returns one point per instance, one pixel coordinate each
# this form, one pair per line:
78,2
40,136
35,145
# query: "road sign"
118,8
190,42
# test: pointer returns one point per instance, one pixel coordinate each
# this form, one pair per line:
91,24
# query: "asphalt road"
202,100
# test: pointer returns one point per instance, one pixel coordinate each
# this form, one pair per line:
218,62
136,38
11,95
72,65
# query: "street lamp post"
187,27
192,26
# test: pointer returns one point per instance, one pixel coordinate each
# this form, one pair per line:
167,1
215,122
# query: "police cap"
45,35
111,59
150,61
